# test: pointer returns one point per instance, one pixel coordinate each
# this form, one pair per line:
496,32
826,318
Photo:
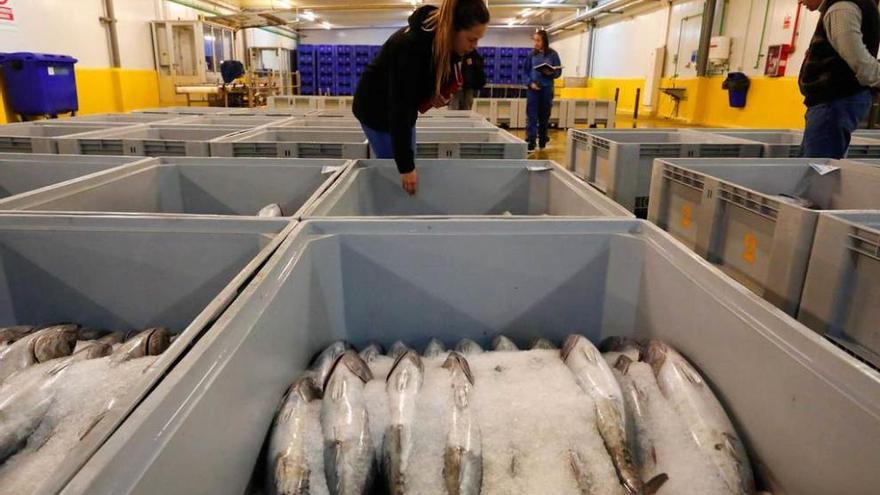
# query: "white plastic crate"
590,112
739,214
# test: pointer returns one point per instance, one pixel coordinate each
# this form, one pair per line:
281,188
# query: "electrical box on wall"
777,60
719,50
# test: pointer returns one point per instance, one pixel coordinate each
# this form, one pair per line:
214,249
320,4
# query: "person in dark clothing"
416,69
539,98
474,78
838,72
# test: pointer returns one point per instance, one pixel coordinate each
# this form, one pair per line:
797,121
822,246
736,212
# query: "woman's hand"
534,86
438,101
410,182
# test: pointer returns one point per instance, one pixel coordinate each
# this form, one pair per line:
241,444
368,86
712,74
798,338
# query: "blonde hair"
445,21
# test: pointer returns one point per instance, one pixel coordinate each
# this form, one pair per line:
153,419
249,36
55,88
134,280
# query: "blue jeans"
538,106
380,142
830,125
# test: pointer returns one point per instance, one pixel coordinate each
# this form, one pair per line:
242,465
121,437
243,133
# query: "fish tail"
651,486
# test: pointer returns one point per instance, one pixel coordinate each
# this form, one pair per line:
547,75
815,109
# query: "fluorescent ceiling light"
326,25
284,4
308,15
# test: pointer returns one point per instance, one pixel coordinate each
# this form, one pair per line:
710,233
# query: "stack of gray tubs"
756,218
618,162
42,136
786,143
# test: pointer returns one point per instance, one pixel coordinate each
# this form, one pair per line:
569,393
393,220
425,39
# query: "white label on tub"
823,169
538,168
51,70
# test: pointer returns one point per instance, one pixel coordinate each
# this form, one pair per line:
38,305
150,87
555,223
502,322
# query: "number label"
750,246
687,216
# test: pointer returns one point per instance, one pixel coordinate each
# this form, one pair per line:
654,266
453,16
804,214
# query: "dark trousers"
538,106
829,126
462,100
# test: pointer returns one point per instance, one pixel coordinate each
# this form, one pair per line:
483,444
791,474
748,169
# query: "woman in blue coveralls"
540,92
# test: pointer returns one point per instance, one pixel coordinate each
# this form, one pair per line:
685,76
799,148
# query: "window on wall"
218,47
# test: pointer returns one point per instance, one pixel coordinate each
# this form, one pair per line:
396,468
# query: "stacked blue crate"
506,65
306,67
363,55
489,66
344,73
522,57
326,58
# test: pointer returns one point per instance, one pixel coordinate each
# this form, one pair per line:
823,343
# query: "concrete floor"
556,148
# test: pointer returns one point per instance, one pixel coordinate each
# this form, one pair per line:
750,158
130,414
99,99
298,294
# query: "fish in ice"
434,348
8,335
402,389
348,450
396,349
502,343
288,463
703,414
38,347
542,343
468,346
149,342
371,352
323,363
463,456
270,210
595,378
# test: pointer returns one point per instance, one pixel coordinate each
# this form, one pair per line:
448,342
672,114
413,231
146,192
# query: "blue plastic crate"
40,84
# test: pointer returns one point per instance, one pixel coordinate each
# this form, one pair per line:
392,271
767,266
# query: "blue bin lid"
36,57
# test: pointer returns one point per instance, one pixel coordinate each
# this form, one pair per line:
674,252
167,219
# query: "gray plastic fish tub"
469,144
127,273
618,162
185,110
128,118
786,388
163,139
288,142
353,123
234,120
590,112
41,136
23,173
731,212
785,143
842,286
191,186
463,188
264,112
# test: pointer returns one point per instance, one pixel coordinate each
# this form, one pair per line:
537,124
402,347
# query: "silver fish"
348,449
468,346
8,335
371,352
704,416
112,338
289,469
614,347
396,349
324,362
463,456
434,348
271,210
582,476
150,342
88,333
23,407
38,347
542,343
502,343
645,440
402,388
595,378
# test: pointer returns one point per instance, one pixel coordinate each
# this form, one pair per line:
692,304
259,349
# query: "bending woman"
417,68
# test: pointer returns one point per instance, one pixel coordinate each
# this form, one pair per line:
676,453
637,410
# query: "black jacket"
395,83
825,76
472,72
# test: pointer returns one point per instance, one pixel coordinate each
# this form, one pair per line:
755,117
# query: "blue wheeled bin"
40,83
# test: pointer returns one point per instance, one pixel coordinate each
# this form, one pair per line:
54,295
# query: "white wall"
623,48
623,44
572,48
55,26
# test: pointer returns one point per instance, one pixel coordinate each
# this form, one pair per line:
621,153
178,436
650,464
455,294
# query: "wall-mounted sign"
7,14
